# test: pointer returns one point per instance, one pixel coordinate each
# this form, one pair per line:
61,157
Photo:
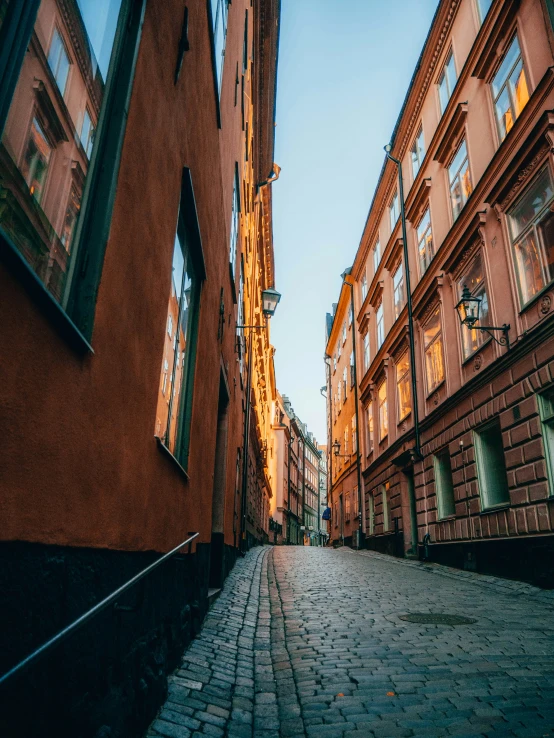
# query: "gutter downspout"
358,459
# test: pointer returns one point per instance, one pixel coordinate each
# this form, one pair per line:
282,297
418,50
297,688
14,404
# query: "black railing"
89,614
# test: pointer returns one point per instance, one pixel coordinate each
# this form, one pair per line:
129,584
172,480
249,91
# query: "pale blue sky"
344,69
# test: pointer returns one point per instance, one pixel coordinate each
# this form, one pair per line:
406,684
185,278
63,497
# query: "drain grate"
437,618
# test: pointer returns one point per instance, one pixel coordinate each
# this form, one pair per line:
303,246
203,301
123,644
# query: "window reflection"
474,279
48,136
434,361
510,90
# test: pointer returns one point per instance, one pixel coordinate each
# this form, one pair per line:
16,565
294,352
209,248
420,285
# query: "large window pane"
219,28
176,355
398,289
447,82
380,326
383,411
43,163
474,280
491,466
403,384
460,180
532,231
417,153
509,88
434,360
425,242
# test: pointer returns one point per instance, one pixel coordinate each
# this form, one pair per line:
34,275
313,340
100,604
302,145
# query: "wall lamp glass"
469,312
270,300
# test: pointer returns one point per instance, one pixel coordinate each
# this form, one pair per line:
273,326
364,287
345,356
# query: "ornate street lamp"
270,300
336,451
469,312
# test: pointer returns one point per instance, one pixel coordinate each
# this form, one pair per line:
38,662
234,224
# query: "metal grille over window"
44,164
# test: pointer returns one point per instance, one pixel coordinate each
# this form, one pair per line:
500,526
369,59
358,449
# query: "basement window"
444,485
491,466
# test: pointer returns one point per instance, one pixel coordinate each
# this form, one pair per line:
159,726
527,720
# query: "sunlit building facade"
475,140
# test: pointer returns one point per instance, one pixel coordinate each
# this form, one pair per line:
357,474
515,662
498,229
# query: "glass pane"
528,265
43,166
403,380
506,67
444,486
537,196
458,161
518,88
434,364
546,235
504,114
491,467
451,74
444,95
431,328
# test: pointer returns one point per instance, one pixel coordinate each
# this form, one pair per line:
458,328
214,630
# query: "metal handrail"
76,624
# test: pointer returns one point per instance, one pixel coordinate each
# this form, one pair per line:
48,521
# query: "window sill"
166,452
536,297
435,388
495,508
446,518
48,306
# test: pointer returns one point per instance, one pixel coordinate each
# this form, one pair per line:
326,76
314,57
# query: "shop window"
444,485
532,233
417,153
219,13
398,289
403,385
425,242
546,408
383,411
41,210
474,280
447,82
491,466
509,89
434,357
460,180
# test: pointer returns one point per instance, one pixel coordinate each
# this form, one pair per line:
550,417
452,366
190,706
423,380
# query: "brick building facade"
475,142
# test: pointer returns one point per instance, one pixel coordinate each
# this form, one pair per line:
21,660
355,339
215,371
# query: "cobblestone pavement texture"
309,642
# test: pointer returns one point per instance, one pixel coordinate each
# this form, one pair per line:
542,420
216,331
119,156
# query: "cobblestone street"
309,642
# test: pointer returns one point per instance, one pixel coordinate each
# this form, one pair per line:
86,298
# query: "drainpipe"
358,459
417,455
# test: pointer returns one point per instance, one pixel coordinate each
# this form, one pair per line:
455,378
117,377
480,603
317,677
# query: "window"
170,326
417,153
369,415
376,256
235,217
41,193
355,503
386,512
366,351
425,242
447,82
344,383
532,233
240,318
347,507
173,412
363,287
352,370
335,361
403,385
339,349
344,332
460,180
383,410
339,396
34,166
398,289
393,211
432,341
354,435
346,441
58,61
219,12
444,485
380,326
474,279
546,409
491,466
509,90
483,6
87,133
371,514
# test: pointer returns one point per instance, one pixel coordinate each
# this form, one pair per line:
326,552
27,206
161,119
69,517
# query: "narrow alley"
311,642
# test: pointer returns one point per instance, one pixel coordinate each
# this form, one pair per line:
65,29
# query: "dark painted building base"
391,544
524,559
109,678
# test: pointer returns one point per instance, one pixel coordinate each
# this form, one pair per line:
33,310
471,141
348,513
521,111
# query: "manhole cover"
436,617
